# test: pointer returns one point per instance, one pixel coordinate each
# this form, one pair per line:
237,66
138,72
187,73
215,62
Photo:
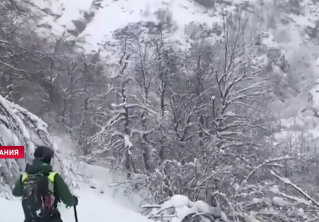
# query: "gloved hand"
75,200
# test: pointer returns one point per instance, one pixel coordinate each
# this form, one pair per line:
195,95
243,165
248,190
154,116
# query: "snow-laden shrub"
250,203
272,198
68,166
180,209
270,202
20,127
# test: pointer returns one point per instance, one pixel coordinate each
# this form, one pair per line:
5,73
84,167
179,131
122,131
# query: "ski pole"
75,214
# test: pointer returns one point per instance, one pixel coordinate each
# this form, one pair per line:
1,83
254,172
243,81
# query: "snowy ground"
94,203
102,179
92,207
100,201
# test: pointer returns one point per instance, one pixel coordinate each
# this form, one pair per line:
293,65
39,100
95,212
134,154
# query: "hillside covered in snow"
286,29
210,101
97,198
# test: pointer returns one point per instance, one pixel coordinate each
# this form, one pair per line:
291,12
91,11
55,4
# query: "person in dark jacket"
42,164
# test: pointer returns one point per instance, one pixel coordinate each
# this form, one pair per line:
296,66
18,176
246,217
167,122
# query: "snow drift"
180,209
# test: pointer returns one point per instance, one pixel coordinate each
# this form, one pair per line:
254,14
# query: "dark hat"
44,153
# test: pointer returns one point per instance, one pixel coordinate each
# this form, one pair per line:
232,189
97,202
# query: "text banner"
11,152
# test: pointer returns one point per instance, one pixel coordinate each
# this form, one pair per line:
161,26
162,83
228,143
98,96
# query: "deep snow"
96,198
94,204
92,207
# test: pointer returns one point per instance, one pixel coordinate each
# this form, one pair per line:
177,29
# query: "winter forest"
225,115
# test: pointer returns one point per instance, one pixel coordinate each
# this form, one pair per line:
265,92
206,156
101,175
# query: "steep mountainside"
214,100
291,25
290,21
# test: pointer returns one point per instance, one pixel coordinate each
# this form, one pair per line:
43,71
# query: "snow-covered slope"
90,183
107,16
92,207
94,204
99,18
292,24
101,202
98,200
100,180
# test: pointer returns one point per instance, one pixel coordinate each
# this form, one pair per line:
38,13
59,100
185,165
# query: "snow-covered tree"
207,107
19,128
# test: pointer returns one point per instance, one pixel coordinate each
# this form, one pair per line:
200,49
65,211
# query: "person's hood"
38,166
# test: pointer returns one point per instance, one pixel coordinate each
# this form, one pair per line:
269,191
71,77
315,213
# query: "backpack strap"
24,177
51,176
